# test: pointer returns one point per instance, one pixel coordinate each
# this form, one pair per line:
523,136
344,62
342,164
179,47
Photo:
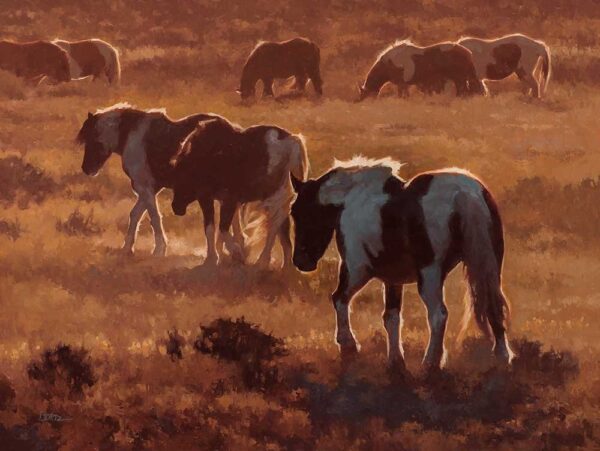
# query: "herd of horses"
386,228
467,63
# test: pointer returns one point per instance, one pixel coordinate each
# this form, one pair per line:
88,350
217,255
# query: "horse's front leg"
392,321
208,212
268,87
148,195
349,283
135,216
431,290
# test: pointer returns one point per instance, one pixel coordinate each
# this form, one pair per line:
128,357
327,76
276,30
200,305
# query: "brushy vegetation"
273,380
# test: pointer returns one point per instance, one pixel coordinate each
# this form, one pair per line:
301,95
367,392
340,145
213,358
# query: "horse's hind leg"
160,241
228,209
392,321
135,216
268,87
532,86
238,233
286,243
431,290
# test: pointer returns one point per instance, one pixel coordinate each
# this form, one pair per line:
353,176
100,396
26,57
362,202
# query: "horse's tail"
483,252
113,66
546,69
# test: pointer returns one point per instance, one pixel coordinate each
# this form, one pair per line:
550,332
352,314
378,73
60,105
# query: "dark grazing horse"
496,59
222,161
405,64
404,232
296,57
92,58
146,140
34,61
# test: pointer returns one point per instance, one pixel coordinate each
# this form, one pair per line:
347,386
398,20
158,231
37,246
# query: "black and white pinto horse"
223,161
146,140
404,232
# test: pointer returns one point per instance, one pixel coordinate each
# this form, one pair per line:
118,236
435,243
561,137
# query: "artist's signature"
52,418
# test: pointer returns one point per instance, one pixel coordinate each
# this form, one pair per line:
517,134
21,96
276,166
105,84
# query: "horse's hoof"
159,252
396,366
349,352
127,251
211,261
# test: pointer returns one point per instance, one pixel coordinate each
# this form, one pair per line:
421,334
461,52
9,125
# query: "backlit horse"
146,140
223,161
496,59
405,64
296,57
92,57
35,61
404,232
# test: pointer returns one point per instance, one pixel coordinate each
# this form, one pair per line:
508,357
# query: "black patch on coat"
507,57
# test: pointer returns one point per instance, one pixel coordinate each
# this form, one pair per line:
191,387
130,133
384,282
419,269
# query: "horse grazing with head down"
35,61
496,59
223,161
92,58
405,64
296,57
404,232
146,140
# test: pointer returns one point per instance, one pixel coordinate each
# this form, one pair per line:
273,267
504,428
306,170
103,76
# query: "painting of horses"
309,225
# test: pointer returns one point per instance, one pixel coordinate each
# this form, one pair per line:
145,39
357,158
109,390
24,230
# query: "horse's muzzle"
303,263
179,210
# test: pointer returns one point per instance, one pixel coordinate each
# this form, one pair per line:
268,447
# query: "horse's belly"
400,268
498,71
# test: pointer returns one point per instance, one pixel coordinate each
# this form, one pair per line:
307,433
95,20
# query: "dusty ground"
62,279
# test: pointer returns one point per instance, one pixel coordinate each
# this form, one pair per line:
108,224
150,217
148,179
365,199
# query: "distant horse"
498,58
222,161
34,61
146,141
404,232
405,64
297,57
92,57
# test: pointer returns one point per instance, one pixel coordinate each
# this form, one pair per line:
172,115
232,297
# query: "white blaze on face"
439,203
362,195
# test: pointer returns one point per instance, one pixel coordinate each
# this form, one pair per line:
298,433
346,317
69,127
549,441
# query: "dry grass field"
84,330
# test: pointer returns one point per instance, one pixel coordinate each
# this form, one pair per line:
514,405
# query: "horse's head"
314,224
99,135
378,75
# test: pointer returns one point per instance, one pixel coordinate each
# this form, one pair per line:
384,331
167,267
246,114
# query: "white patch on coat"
439,203
278,150
361,194
401,56
74,67
134,159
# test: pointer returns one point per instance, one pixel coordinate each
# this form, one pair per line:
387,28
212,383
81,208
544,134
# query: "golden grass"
63,279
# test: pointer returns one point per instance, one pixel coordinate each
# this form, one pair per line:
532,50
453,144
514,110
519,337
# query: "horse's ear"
296,183
90,115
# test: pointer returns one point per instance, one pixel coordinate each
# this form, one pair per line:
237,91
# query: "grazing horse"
297,57
404,64
404,232
146,141
496,59
92,57
222,161
34,61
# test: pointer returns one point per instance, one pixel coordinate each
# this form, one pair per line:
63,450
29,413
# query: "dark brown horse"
429,68
297,57
35,60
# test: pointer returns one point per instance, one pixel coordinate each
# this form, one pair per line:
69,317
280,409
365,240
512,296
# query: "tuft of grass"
78,224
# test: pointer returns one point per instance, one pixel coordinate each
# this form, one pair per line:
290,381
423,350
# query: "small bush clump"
23,182
63,365
244,343
78,224
11,229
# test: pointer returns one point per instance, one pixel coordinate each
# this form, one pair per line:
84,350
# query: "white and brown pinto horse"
496,59
146,142
404,232
92,58
35,61
404,64
223,161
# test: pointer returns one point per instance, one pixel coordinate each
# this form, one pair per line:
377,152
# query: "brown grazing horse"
297,57
92,57
34,61
405,64
496,59
223,161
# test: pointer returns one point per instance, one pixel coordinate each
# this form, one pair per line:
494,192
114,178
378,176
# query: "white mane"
395,44
128,106
360,161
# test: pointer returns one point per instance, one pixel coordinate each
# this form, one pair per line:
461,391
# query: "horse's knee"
438,317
